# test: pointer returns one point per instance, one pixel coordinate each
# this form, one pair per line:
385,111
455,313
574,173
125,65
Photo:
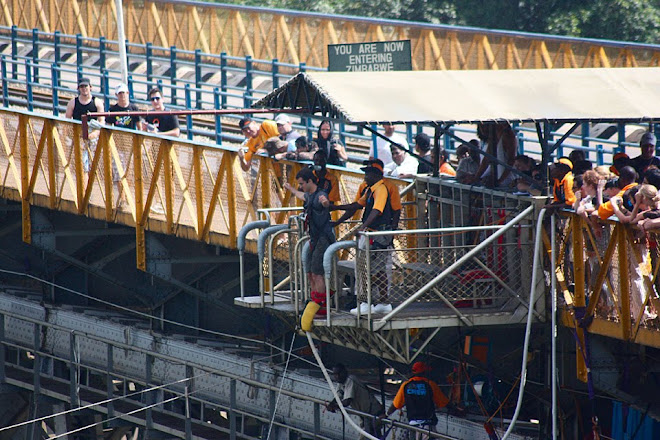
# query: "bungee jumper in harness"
321,235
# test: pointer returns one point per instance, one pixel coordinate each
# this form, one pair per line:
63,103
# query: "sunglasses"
155,98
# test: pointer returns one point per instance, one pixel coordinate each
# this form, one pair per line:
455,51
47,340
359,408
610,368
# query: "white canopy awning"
453,96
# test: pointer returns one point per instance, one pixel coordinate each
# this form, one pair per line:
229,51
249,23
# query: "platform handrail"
383,321
328,259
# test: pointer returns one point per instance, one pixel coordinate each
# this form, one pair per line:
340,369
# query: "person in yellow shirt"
392,189
256,135
562,188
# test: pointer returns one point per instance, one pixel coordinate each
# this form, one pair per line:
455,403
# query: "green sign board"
370,57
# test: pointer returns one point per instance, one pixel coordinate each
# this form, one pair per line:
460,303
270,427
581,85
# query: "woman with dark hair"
334,150
445,167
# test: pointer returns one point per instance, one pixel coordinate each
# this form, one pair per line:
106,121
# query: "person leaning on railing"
562,188
627,180
256,136
646,206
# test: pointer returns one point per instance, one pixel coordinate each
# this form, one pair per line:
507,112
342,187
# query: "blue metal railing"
197,80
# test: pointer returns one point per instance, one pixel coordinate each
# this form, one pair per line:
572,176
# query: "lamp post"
121,37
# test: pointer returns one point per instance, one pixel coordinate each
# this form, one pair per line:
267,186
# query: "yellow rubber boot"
308,315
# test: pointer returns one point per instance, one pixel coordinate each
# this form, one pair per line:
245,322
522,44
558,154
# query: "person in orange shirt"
627,180
256,135
421,396
445,167
562,189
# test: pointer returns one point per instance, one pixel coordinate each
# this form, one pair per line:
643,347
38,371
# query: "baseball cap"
243,122
374,167
121,88
648,139
420,367
373,161
282,119
84,82
566,161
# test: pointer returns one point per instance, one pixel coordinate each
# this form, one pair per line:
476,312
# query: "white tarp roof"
563,95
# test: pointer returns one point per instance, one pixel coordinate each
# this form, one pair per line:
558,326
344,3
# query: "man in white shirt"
383,146
403,165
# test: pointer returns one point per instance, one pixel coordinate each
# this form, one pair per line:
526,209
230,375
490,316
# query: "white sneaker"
382,308
364,309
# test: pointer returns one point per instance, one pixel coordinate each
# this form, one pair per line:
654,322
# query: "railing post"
149,397
129,79
198,79
79,52
190,387
223,78
189,124
150,68
446,140
54,72
102,48
585,134
232,409
307,122
275,69
173,74
599,154
218,119
35,54
74,401
374,140
28,85
56,47
108,382
621,134
519,137
36,371
5,83
317,416
14,52
2,349
248,75
105,86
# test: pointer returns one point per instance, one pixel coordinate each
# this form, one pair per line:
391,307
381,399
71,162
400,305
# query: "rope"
279,392
119,416
334,390
505,399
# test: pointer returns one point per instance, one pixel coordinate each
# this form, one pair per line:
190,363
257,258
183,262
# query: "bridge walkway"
298,37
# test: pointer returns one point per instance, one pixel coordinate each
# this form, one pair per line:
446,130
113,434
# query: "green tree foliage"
625,20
